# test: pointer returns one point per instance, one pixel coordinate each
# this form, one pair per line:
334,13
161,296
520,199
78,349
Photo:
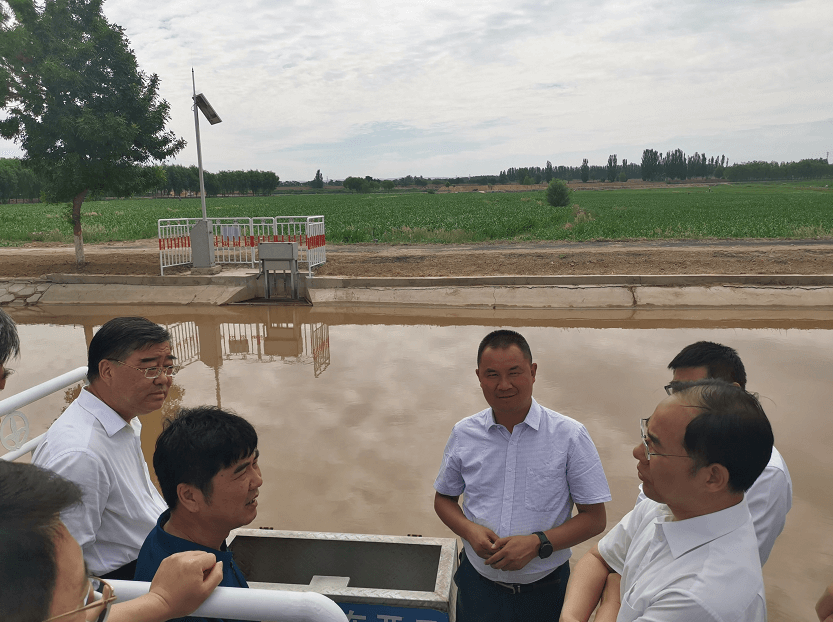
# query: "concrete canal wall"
553,292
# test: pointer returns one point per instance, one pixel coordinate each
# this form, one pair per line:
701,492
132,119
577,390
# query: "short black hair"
731,429
721,361
121,337
31,500
195,445
502,339
9,339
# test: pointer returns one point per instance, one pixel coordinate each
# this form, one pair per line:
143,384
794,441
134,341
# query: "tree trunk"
76,228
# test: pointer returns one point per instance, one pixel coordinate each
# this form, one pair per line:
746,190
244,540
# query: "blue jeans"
482,600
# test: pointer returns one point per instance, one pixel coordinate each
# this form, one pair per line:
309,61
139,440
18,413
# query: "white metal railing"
10,405
251,604
235,240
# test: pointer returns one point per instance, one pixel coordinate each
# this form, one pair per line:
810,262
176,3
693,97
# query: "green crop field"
771,210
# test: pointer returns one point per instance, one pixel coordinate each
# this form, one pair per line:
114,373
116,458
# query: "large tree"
318,180
612,167
74,99
585,170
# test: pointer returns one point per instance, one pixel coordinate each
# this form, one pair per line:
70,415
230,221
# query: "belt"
552,578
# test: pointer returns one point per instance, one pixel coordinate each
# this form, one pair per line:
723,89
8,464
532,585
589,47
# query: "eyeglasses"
107,598
669,389
153,372
643,430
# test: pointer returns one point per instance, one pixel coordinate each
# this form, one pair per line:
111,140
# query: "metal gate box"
387,578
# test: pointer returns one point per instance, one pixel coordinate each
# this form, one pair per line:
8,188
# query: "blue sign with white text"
384,613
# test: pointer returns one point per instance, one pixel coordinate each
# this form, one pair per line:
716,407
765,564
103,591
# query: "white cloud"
391,88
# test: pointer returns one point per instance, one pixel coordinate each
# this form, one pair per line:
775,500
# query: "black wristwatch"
546,546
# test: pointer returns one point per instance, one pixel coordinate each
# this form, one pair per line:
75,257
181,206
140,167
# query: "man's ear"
716,477
190,497
105,370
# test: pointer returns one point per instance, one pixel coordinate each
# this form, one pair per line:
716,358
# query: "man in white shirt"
689,551
521,467
96,444
770,497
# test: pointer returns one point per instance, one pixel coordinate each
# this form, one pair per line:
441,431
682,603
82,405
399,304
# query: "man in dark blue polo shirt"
206,461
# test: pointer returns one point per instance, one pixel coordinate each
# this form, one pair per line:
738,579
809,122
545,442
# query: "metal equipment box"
406,579
279,256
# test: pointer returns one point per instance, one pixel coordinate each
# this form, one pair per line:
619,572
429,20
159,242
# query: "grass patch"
748,210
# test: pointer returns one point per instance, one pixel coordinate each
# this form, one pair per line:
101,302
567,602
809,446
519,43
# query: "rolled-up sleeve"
585,474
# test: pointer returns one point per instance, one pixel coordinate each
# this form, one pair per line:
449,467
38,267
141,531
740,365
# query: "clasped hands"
510,553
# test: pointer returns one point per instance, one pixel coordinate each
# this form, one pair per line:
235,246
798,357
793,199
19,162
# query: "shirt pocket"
546,489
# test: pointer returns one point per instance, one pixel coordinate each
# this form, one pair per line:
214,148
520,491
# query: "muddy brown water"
354,406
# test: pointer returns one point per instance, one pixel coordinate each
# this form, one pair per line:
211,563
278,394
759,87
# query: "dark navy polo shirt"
160,544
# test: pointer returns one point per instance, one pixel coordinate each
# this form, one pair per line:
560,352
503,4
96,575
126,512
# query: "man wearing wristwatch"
521,467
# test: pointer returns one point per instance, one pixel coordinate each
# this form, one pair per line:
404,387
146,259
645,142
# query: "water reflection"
357,448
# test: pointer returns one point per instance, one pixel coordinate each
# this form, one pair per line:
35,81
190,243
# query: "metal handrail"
33,394
251,604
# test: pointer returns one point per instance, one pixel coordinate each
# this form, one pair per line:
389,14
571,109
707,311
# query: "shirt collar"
107,417
685,535
532,419
175,544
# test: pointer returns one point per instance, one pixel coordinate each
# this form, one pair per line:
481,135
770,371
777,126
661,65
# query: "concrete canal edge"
574,292
494,292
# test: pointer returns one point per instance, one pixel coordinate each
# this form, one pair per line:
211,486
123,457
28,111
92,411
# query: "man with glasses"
43,576
689,551
96,444
770,497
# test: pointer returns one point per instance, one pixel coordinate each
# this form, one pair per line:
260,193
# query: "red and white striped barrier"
236,239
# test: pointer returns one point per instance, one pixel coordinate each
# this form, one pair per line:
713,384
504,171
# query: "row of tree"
21,182
654,166
179,179
676,165
17,181
765,171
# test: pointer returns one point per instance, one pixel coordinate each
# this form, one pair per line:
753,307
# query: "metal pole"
199,149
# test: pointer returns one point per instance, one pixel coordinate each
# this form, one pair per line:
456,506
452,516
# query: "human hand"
184,580
514,552
482,540
824,608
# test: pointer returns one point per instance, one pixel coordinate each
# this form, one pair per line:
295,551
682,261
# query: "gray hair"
9,340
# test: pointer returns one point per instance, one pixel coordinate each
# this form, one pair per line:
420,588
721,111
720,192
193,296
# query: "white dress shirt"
703,569
523,482
91,445
769,499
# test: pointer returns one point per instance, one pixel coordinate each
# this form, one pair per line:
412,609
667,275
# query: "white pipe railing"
24,449
33,394
242,604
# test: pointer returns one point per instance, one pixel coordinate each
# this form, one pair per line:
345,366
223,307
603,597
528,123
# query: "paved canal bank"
492,292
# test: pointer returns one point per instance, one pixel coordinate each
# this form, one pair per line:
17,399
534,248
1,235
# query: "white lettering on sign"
387,618
352,616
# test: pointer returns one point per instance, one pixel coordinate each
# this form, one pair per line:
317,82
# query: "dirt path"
504,258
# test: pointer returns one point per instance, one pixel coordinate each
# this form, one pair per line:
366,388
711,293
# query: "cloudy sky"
465,87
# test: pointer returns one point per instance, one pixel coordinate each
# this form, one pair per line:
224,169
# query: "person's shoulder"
475,421
776,461
561,423
150,556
